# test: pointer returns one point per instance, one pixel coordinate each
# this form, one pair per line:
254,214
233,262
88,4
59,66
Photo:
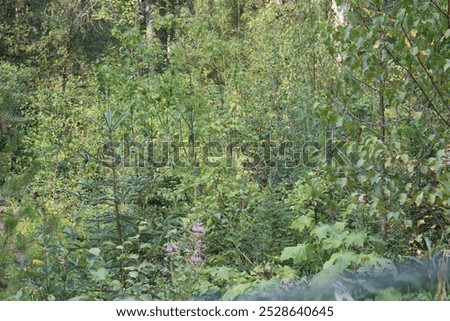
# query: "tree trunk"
340,11
340,19
137,15
149,32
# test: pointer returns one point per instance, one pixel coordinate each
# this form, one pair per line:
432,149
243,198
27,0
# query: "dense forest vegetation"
226,149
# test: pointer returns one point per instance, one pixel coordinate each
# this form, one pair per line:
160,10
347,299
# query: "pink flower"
198,228
362,198
171,248
196,259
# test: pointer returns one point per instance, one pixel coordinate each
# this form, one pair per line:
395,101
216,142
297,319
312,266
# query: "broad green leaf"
355,239
94,251
340,226
374,260
100,275
299,253
403,198
301,223
342,182
431,198
341,260
447,64
236,290
375,179
223,273
286,272
447,33
417,115
321,231
335,241
360,162
419,199
401,13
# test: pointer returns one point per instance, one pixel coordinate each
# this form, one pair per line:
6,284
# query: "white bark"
341,12
150,33
340,19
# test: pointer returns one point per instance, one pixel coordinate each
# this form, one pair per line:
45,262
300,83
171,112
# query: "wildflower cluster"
194,244
197,243
171,249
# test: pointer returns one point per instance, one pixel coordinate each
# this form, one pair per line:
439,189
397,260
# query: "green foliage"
216,150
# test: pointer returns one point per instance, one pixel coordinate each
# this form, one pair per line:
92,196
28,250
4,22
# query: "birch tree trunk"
340,11
149,31
340,19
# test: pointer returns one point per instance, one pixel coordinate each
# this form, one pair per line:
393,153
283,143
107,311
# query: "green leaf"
120,120
419,199
287,273
373,260
108,118
223,273
402,199
447,64
321,231
133,256
447,33
342,182
94,251
301,223
356,239
335,241
375,179
417,115
100,275
431,198
401,13
299,253
235,291
360,162
340,226
341,260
